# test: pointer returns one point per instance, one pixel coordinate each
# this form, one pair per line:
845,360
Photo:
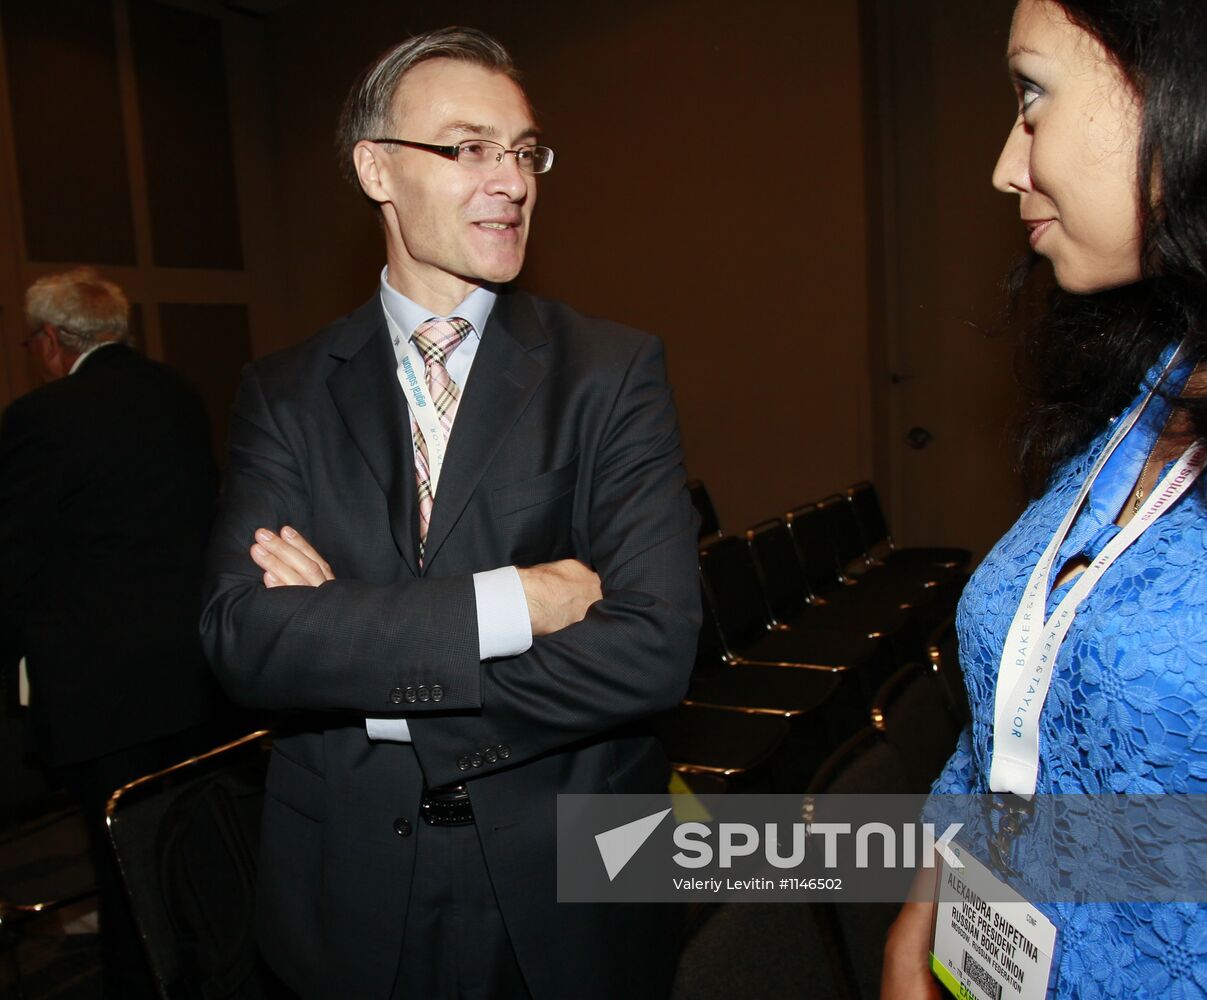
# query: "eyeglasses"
484,155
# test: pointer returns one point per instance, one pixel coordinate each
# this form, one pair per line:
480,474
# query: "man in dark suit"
107,489
467,622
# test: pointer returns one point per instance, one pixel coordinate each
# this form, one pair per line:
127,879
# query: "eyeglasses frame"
27,343
454,152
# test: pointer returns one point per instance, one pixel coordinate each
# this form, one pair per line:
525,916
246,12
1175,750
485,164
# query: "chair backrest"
710,524
865,765
912,713
943,652
839,520
186,841
780,571
710,648
732,586
869,514
814,548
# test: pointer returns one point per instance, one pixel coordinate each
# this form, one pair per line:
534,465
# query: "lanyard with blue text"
1032,643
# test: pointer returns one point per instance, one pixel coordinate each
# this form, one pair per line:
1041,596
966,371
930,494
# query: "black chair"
46,867
737,634
734,599
912,713
930,593
878,542
733,748
710,525
791,601
734,603
821,708
813,537
856,564
865,765
186,840
943,654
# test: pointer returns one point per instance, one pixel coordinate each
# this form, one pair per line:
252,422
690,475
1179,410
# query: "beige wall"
943,109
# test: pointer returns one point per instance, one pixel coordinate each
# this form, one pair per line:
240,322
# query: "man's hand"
288,560
558,594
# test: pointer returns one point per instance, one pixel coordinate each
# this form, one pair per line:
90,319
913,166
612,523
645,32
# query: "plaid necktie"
436,340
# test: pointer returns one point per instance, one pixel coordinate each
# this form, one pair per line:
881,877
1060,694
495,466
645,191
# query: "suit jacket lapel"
502,381
370,401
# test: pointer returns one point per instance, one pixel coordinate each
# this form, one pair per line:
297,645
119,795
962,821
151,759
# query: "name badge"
983,950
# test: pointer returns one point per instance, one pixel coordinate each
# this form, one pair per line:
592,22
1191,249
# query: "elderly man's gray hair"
84,307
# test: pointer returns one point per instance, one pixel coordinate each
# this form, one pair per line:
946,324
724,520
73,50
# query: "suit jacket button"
402,827
396,696
475,760
490,755
410,695
424,693
463,763
437,692
504,751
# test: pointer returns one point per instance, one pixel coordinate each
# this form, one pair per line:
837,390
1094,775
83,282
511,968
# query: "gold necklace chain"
1139,494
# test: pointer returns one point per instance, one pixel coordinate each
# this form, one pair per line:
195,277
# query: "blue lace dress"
1127,708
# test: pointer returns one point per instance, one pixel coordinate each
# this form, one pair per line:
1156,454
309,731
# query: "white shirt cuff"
504,629
393,729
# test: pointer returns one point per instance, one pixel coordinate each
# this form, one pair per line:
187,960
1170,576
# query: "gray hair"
369,106
81,305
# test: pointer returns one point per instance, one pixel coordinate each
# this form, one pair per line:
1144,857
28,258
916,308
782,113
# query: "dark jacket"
107,489
565,445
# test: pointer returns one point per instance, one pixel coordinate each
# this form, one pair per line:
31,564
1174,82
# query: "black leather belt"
448,805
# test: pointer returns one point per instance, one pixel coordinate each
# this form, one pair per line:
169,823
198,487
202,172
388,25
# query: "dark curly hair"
1082,362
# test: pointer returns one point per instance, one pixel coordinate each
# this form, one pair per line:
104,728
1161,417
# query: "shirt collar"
95,347
408,314
1117,479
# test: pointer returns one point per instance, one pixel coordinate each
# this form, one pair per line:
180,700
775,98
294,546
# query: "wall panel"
209,344
186,136
67,130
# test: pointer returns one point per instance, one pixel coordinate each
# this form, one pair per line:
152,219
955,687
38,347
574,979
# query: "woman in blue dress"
1108,156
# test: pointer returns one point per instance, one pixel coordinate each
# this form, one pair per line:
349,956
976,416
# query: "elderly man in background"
107,488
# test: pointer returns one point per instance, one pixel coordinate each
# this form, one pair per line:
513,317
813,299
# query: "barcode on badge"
982,978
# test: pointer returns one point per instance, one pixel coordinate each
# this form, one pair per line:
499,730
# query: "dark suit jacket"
107,488
565,445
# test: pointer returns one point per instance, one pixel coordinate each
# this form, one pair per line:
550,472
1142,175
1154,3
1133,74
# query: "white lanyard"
1032,643
412,378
